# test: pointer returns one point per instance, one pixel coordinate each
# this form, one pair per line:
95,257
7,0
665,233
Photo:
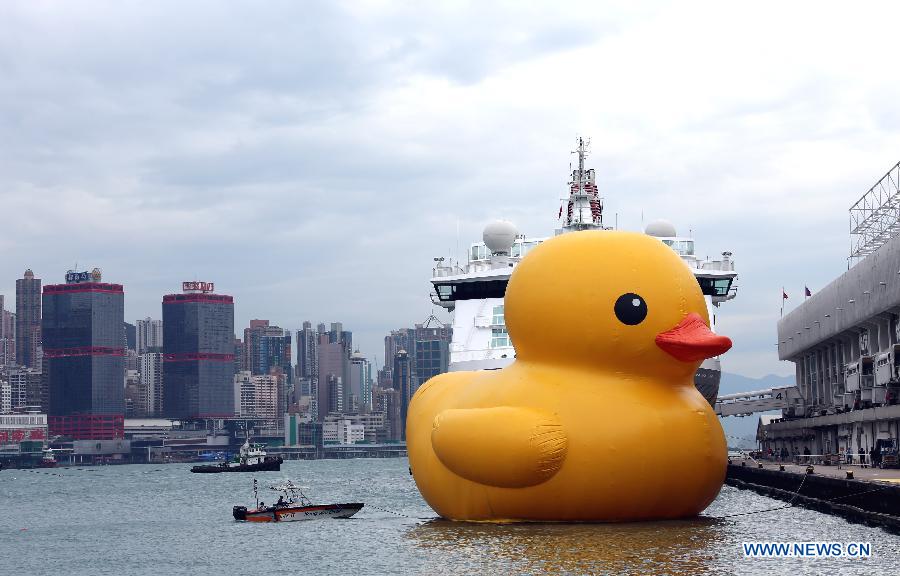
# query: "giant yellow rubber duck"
598,418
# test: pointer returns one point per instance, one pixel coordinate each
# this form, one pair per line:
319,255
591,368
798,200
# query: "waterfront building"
198,347
148,334
302,430
844,342
81,330
342,430
28,320
18,428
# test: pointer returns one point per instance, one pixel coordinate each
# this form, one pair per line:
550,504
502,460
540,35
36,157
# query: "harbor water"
161,519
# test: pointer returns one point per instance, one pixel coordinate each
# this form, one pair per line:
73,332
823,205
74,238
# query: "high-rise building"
333,377
198,346
137,397
432,353
360,383
387,401
256,396
266,348
25,385
28,320
238,355
7,335
130,336
5,397
148,334
83,347
428,346
307,352
267,351
403,384
152,379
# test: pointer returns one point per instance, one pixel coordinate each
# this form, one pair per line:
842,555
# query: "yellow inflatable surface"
597,419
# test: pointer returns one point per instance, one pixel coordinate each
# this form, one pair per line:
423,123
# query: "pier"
867,495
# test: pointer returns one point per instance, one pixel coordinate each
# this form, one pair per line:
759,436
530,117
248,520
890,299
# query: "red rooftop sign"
197,286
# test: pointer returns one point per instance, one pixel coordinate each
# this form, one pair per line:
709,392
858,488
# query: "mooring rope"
400,513
790,504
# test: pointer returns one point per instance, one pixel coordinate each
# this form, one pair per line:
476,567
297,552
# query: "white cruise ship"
474,293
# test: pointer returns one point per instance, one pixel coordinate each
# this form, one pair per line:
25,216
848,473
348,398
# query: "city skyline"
316,176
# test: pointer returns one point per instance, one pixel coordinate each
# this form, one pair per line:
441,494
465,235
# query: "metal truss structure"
875,218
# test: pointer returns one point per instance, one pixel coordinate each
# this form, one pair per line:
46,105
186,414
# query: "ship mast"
584,206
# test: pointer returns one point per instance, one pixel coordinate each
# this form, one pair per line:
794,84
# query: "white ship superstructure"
474,293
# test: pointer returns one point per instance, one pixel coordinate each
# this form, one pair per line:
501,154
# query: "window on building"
499,338
498,317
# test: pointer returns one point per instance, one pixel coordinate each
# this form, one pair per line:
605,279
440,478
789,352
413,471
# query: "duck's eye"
630,309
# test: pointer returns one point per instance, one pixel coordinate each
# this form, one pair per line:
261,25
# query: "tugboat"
48,460
292,506
252,458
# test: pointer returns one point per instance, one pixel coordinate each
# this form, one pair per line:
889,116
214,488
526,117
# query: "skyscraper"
152,379
7,335
403,384
83,348
198,346
267,350
28,320
149,334
432,353
334,371
360,383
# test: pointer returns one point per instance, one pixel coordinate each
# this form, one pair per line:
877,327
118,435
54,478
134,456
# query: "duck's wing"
505,446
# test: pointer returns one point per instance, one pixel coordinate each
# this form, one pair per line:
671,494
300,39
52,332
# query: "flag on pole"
808,293
784,295
560,212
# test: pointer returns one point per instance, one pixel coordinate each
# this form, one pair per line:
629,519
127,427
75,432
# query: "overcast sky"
312,158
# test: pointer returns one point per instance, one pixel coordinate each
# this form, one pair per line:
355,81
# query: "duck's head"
618,301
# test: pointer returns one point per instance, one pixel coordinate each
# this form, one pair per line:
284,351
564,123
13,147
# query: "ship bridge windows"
714,286
471,290
681,247
480,252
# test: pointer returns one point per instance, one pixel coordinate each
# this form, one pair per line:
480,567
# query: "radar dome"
660,229
499,236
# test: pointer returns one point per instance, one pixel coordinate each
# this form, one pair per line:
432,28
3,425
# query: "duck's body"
561,434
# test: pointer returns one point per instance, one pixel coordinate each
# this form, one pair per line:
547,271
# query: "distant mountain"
740,431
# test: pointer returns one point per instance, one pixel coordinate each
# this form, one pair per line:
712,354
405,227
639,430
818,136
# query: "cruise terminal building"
845,344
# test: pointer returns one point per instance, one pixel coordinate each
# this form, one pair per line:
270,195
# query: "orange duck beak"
692,340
